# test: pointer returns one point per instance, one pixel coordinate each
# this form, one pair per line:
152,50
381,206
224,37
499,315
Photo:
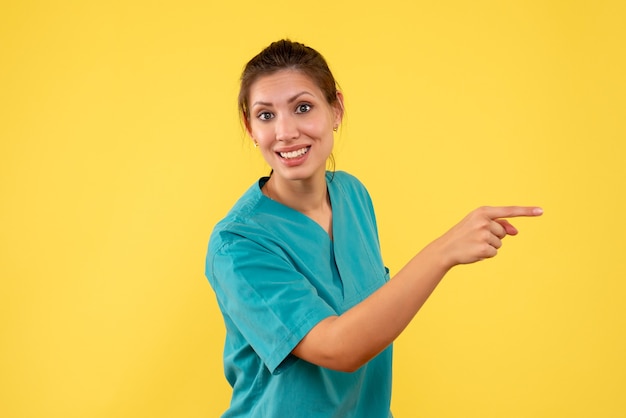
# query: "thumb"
510,229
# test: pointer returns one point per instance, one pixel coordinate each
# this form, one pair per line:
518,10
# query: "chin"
299,173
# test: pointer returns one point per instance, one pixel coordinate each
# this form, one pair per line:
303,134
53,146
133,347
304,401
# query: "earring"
335,128
256,144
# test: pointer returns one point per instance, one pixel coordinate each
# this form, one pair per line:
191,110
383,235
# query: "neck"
309,197
304,196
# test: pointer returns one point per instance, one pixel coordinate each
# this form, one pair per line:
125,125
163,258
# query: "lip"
291,162
292,148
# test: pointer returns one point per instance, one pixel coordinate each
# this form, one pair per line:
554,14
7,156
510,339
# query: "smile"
294,154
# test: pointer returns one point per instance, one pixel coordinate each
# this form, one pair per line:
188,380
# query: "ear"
339,108
249,132
246,125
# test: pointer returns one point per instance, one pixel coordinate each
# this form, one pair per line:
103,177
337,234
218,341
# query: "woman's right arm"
348,341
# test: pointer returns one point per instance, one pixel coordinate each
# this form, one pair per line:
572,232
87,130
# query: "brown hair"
287,55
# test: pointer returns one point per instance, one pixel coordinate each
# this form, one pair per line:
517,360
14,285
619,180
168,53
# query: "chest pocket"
361,275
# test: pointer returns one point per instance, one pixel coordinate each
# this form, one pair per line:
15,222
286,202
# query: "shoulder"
244,220
344,178
350,186
346,181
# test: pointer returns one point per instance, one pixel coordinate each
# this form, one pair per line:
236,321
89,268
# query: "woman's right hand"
479,235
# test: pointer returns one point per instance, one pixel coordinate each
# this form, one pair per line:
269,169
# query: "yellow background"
120,148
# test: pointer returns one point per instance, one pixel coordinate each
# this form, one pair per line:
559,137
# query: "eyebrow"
290,100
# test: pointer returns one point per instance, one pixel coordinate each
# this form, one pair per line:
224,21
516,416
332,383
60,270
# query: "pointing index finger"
495,212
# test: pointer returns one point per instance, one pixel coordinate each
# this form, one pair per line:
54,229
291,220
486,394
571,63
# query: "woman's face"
292,123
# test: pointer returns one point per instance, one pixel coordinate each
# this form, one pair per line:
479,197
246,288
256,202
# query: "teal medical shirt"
276,274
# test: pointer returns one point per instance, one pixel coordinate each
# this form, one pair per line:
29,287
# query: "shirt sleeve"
272,305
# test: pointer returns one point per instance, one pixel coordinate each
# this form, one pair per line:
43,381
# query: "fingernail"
537,211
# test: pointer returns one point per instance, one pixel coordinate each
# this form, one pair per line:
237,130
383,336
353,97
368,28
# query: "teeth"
294,154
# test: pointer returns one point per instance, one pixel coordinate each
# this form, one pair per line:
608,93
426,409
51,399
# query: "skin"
288,112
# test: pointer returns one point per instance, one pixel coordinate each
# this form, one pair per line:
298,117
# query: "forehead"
282,85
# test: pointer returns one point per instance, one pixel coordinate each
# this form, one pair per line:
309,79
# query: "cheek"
317,128
259,132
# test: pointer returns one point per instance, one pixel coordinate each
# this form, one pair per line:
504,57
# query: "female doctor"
309,309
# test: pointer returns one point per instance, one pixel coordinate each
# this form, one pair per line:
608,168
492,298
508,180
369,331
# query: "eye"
265,116
303,108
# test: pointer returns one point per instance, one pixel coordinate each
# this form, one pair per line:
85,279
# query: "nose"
286,128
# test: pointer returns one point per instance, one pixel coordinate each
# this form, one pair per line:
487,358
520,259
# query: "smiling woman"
293,124
309,309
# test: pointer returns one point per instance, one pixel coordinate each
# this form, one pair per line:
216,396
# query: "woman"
309,309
